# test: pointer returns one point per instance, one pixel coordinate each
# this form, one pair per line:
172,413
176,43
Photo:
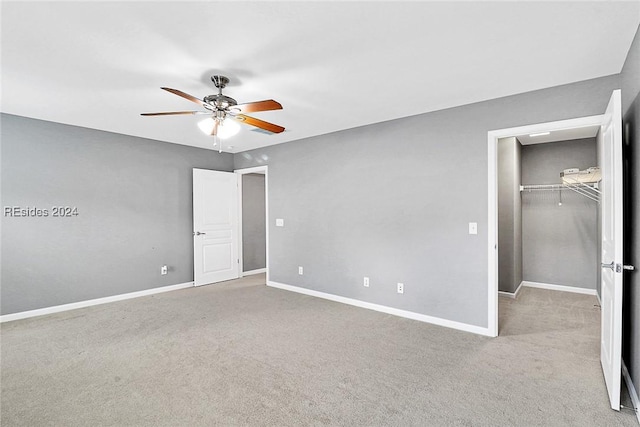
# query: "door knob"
197,233
618,267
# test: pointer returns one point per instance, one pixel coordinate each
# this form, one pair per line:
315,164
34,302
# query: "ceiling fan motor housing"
220,101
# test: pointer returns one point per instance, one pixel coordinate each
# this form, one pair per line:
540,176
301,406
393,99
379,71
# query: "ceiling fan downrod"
220,82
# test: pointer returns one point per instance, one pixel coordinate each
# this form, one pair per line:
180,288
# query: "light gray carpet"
241,353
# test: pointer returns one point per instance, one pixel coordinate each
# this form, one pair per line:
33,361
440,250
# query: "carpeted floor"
241,353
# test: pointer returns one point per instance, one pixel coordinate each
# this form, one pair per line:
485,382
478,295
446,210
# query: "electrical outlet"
279,222
300,271
401,288
164,270
366,282
473,228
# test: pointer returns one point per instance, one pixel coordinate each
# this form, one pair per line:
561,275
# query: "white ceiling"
332,65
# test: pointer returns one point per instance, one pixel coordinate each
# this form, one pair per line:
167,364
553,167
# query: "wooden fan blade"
252,107
172,113
184,95
258,123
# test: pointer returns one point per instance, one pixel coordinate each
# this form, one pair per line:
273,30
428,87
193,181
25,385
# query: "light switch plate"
279,222
473,228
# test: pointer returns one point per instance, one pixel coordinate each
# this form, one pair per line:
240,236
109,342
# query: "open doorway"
548,210
609,143
507,143
253,230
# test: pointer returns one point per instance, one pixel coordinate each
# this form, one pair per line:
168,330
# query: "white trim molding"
561,288
383,309
512,295
260,170
252,272
632,390
91,302
256,169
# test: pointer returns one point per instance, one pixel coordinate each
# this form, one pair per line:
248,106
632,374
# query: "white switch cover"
473,228
300,271
366,282
279,222
401,288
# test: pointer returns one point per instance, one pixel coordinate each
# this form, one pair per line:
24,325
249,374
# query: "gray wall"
631,119
254,240
392,201
509,215
134,201
560,243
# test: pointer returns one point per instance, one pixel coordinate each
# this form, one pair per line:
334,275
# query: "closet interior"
548,211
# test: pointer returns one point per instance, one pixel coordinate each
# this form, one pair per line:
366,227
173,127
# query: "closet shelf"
590,191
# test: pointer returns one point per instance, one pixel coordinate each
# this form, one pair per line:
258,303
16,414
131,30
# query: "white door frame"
265,171
492,219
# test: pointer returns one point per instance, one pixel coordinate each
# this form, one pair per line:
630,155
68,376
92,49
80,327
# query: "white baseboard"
512,295
384,309
507,294
632,390
88,303
518,290
252,272
561,288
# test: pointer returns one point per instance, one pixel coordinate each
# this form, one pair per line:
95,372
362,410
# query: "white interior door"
215,226
611,286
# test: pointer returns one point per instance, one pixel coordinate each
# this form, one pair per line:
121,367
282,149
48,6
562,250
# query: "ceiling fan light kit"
221,108
226,129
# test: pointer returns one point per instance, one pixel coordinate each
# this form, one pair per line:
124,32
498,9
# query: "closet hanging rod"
541,187
558,186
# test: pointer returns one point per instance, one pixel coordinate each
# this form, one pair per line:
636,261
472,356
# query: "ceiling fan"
221,107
